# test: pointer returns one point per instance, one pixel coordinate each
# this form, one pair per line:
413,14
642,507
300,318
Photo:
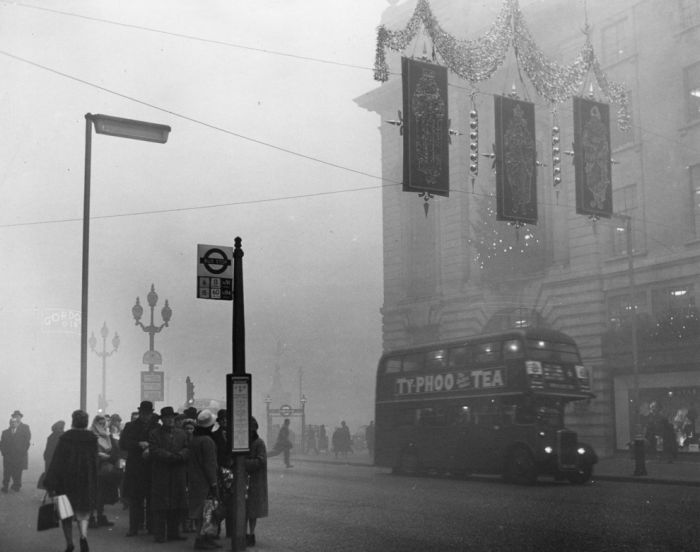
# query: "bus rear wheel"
580,476
520,467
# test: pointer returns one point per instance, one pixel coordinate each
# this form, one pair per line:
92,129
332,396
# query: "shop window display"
668,417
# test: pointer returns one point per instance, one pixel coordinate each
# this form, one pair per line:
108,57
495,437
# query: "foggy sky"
312,264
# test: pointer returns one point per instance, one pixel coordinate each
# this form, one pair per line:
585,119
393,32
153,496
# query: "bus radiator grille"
567,444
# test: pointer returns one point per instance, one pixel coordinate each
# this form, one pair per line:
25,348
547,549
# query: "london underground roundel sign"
214,272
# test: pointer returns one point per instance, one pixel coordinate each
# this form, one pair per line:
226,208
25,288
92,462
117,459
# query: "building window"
620,309
625,203
689,13
691,79
674,312
616,42
695,199
672,299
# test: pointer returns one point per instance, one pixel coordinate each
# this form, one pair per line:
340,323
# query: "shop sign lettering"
440,383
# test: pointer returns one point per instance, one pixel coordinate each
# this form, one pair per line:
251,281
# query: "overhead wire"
389,182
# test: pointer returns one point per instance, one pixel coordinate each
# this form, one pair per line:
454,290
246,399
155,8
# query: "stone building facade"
457,271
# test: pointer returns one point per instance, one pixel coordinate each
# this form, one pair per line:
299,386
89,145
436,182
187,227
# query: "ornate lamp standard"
302,400
152,357
268,400
104,332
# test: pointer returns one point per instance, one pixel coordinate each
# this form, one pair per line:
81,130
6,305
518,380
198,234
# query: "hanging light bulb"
556,156
473,143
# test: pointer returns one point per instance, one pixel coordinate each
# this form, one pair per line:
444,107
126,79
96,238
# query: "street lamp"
152,356
268,400
121,128
302,400
104,332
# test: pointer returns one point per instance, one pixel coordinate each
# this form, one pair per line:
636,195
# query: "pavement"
18,510
684,470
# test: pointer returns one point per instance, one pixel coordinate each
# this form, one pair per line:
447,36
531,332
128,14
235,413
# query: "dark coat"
73,469
51,444
14,446
201,471
223,457
137,475
256,468
169,454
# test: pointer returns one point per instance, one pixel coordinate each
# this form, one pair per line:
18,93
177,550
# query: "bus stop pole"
238,531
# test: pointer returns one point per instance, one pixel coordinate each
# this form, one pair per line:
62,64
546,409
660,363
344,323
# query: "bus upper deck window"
436,360
512,349
392,365
460,357
487,352
413,362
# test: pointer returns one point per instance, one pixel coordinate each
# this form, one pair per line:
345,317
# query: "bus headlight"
548,450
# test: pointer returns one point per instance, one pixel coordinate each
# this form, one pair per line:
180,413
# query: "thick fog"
266,144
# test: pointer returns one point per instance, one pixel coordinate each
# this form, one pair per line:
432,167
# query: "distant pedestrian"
137,476
670,444
283,444
369,438
342,442
169,453
311,443
322,439
256,468
73,472
14,446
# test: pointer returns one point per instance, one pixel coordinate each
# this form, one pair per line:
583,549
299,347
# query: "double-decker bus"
490,404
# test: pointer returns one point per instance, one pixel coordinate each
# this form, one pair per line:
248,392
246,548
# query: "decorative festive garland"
477,60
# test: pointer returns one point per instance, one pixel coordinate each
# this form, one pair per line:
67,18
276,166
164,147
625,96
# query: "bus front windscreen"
548,351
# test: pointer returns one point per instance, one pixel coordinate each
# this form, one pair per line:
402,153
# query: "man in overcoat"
169,453
14,444
137,475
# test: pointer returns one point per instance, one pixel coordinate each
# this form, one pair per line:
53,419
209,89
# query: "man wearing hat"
169,453
137,475
14,444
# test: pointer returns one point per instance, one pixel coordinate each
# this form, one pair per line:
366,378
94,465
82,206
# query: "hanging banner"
426,128
516,162
592,158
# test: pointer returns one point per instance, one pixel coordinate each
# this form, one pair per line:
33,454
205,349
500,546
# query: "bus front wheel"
520,467
408,464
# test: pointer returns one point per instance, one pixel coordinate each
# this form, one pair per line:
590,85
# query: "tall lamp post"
104,332
302,400
166,313
121,128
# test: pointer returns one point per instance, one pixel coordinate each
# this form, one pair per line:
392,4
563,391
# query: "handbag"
47,518
63,506
210,519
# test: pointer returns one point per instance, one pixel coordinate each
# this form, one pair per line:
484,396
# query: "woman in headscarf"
57,430
73,472
108,474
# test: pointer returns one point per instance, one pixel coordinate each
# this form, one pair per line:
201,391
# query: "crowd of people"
172,471
341,443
